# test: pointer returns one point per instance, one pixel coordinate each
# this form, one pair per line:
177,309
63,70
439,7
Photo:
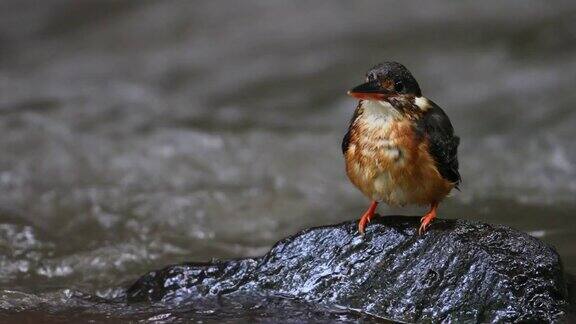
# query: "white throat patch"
379,109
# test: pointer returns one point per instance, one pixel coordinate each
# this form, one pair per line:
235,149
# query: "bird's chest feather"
386,159
380,139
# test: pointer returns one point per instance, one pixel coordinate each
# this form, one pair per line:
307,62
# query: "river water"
136,134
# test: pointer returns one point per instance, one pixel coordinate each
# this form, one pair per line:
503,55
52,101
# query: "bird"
400,147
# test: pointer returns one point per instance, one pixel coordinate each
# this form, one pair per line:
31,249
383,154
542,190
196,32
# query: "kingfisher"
400,147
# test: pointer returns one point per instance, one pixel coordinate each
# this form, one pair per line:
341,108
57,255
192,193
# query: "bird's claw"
427,219
366,217
423,228
362,225
424,224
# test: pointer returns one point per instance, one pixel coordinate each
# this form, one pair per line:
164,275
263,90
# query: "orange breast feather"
388,162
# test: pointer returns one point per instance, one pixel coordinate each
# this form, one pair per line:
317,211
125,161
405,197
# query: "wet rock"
458,271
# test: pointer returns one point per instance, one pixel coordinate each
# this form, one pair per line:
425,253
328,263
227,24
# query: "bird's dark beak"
369,91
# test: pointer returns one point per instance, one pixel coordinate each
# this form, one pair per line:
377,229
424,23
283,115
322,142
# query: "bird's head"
385,81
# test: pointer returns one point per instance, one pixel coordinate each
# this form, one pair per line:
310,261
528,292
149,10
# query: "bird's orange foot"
427,219
367,216
424,224
363,222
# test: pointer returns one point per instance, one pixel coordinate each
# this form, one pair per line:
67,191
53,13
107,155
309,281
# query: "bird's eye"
399,86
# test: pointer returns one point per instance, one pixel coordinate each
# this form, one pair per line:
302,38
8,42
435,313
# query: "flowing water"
136,134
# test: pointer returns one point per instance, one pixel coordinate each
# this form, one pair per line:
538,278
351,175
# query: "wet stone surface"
457,271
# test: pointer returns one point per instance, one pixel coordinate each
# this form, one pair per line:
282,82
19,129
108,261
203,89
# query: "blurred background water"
136,134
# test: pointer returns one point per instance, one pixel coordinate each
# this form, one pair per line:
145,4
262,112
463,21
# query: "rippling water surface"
135,134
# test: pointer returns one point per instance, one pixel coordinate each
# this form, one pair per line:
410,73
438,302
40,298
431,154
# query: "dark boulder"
457,271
